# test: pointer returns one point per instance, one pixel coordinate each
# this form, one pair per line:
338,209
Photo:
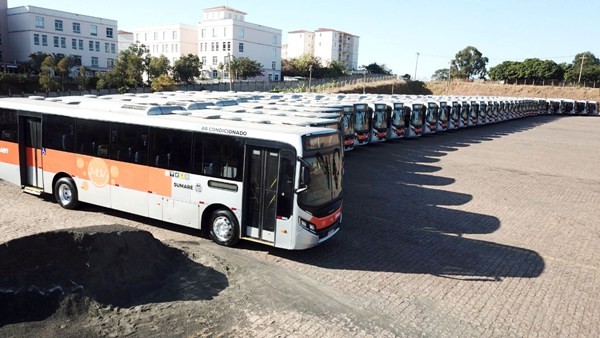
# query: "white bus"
274,184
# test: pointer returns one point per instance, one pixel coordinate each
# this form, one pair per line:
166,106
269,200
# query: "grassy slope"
472,89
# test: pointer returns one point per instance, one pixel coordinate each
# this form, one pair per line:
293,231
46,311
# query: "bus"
362,124
431,118
474,114
454,117
397,117
273,184
415,118
379,122
444,116
465,111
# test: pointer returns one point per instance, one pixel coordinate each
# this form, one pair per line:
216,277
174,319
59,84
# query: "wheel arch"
205,219
57,177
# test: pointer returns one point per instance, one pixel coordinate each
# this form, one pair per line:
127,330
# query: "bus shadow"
393,222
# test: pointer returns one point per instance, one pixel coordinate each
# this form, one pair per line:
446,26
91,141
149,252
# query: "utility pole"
310,69
581,68
416,65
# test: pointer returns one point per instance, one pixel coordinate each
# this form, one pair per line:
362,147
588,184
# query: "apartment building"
172,41
3,30
91,40
124,40
326,44
224,34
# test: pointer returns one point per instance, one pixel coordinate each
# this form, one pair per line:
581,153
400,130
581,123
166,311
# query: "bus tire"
65,193
224,229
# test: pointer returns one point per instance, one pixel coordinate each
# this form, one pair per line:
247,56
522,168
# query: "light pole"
310,69
581,68
416,65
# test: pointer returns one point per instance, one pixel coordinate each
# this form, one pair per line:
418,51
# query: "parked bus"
443,116
274,184
397,120
465,111
415,118
362,124
431,118
474,113
379,122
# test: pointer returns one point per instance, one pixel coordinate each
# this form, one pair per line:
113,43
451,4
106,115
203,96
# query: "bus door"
30,152
269,192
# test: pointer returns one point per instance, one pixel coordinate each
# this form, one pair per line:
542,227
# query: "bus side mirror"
304,177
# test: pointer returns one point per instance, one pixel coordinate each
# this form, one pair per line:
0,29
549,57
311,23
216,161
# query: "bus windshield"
417,115
325,185
379,119
361,123
398,116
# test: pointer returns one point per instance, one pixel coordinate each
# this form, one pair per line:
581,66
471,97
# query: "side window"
170,149
59,132
218,156
92,138
129,143
286,184
8,125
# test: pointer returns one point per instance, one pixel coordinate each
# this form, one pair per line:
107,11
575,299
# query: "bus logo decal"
181,176
4,151
98,172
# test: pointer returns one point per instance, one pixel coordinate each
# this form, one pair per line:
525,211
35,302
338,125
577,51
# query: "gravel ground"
489,231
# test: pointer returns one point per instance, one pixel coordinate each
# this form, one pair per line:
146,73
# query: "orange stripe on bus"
326,221
9,152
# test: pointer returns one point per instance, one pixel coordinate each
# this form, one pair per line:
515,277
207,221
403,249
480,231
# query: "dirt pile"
64,272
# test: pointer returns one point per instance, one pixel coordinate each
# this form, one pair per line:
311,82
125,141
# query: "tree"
585,63
35,61
47,79
82,80
158,66
441,75
187,68
163,82
468,63
374,68
335,69
243,68
301,66
406,77
62,68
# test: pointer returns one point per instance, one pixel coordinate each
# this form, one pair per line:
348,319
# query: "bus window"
170,149
8,125
59,133
92,138
218,156
127,140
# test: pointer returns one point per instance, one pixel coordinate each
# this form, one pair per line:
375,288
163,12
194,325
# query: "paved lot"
490,231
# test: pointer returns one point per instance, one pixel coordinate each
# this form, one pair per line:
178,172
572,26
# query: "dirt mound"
112,265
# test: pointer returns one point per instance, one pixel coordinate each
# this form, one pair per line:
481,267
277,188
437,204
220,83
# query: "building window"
203,60
215,74
106,47
94,61
36,39
94,30
274,39
215,60
273,65
109,33
91,46
241,33
74,43
145,36
214,32
216,46
58,25
80,43
276,77
270,77
241,47
203,33
202,47
63,42
39,22
155,36
228,46
44,40
77,60
212,46
76,27
110,63
113,48
224,46
56,42
97,46
176,48
137,37
174,35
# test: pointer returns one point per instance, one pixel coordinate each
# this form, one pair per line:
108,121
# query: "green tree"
63,69
163,82
585,63
468,63
35,62
243,68
47,79
441,75
335,69
375,68
82,80
187,68
158,66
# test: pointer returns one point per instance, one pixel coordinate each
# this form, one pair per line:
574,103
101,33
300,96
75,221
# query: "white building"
33,29
224,34
327,44
171,41
124,40
3,30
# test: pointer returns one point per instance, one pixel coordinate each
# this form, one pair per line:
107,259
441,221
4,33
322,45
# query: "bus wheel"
224,229
65,193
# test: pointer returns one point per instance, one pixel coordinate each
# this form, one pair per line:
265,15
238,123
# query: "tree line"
469,63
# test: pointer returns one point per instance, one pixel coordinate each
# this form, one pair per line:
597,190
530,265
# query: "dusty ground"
488,231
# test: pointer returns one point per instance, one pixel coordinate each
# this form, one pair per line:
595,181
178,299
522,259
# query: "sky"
392,32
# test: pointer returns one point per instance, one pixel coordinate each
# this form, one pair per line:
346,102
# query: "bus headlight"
307,225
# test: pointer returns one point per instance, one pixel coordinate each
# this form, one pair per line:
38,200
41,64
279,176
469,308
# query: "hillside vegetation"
472,89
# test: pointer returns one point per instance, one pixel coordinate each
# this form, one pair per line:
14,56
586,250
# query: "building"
171,41
92,40
3,30
224,34
124,40
327,44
